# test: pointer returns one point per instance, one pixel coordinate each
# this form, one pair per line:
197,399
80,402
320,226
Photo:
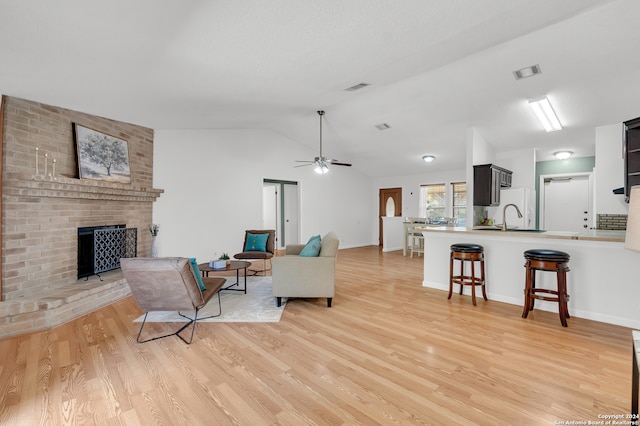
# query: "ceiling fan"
321,163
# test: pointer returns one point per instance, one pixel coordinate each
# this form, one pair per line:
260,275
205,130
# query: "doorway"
390,201
566,203
280,210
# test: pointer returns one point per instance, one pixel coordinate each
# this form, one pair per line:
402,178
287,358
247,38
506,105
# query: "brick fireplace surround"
41,214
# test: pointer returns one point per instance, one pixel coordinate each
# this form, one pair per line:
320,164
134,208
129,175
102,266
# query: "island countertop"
601,269
587,235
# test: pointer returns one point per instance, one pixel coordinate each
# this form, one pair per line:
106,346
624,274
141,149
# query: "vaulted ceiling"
434,68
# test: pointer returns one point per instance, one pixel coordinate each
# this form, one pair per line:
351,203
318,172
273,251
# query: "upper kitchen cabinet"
631,155
487,181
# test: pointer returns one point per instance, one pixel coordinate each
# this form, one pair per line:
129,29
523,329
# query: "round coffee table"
234,265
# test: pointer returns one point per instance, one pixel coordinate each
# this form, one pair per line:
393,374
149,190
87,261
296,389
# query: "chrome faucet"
504,216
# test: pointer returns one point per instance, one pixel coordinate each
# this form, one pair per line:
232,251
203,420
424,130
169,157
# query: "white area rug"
258,305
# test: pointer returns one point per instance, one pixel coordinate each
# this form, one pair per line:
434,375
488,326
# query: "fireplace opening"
100,248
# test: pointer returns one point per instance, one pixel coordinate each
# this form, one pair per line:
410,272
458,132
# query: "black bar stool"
552,261
467,253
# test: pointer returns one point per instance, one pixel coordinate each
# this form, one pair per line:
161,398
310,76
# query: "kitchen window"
460,202
432,201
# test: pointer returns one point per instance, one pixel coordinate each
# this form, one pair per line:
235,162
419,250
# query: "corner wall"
609,170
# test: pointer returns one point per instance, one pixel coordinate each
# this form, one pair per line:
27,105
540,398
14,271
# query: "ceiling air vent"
383,126
357,87
527,72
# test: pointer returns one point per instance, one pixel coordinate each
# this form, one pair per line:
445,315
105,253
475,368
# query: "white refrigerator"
525,199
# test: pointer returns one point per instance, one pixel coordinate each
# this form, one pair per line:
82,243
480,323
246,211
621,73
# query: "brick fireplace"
41,214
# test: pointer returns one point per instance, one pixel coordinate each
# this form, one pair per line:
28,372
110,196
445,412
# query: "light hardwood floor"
388,352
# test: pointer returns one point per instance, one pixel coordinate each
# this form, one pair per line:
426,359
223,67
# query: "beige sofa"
308,277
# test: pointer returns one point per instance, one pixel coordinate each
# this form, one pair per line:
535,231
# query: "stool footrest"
467,280
533,295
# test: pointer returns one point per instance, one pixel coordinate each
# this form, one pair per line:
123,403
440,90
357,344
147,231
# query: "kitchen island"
604,283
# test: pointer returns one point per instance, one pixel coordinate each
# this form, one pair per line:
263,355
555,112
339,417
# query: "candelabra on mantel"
48,175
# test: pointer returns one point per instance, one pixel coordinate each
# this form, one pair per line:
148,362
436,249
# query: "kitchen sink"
511,230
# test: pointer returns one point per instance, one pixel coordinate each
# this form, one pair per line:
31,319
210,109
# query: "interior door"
389,198
290,207
280,210
566,204
270,210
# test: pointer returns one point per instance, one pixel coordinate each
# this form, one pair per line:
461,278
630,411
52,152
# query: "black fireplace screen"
111,245
101,248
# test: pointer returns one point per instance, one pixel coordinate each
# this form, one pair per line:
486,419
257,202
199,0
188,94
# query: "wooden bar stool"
467,253
552,261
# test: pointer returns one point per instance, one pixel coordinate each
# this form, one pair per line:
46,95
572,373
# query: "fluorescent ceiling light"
545,114
429,158
563,155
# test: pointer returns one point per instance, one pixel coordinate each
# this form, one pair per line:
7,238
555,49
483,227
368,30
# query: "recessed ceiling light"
428,158
563,155
527,72
383,126
357,87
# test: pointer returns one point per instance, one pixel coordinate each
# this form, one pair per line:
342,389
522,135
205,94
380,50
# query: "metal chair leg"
193,321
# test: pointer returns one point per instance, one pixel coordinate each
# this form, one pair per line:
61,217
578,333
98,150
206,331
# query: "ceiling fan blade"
303,165
333,163
305,161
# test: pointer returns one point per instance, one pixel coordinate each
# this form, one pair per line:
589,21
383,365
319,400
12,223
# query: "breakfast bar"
603,282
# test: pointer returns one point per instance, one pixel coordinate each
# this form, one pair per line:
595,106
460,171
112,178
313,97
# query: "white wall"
479,151
609,170
410,185
213,191
522,163
213,187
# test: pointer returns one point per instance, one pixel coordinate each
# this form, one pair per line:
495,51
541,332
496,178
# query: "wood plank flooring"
388,352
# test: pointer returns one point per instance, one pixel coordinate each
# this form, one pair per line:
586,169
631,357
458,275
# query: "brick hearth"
41,215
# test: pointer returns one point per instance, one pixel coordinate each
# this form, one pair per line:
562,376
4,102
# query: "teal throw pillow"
312,248
256,242
196,273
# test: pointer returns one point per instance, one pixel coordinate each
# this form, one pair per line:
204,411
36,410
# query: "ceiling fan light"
321,162
562,155
321,169
428,158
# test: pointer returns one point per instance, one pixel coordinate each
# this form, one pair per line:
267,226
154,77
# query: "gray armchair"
169,284
298,276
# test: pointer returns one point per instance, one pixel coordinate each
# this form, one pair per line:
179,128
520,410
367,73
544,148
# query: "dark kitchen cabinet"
487,181
631,155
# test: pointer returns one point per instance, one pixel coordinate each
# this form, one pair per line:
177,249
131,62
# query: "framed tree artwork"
101,156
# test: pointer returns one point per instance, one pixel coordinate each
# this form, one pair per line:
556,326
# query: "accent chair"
259,244
170,284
